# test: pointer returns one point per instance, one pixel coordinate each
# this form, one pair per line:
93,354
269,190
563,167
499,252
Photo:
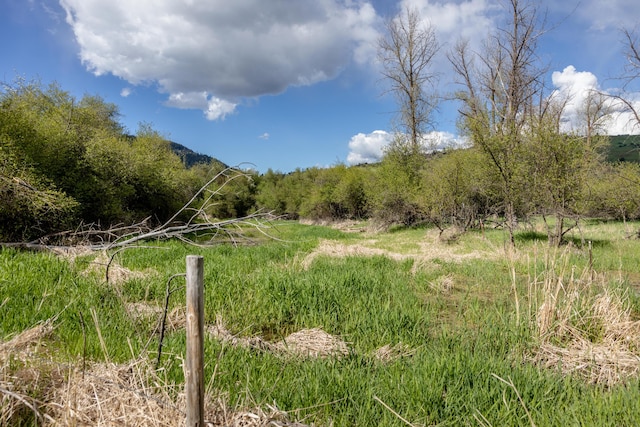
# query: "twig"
164,315
376,398
31,406
84,344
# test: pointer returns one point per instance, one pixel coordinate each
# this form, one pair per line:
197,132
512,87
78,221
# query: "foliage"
394,191
79,164
455,191
30,206
501,85
614,192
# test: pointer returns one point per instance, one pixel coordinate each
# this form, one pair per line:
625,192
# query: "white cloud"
440,140
218,108
223,49
125,92
575,86
368,148
468,18
214,108
610,14
264,136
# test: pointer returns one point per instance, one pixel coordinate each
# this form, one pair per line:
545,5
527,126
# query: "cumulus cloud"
209,55
574,88
125,92
468,18
368,148
440,140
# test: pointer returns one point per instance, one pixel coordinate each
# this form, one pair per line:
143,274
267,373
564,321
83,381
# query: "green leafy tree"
455,191
270,194
501,86
394,191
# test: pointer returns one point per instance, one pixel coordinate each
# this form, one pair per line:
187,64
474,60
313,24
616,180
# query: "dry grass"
313,343
23,373
443,284
116,273
106,394
390,353
584,328
143,311
70,253
428,250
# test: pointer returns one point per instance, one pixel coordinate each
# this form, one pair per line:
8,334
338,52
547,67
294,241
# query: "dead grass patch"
117,274
340,250
389,353
427,252
143,311
586,329
443,284
310,343
70,253
106,394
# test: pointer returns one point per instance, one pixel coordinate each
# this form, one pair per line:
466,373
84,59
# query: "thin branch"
168,293
377,399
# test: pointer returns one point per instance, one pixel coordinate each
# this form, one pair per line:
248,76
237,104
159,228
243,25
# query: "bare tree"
595,115
407,54
632,72
502,86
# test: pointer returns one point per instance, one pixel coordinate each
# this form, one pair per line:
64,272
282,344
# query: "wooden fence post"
194,363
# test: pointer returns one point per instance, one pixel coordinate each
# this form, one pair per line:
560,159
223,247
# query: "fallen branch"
198,230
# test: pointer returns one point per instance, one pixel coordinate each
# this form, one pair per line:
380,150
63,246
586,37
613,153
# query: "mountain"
190,157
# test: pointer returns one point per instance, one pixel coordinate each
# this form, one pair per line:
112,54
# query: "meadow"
332,327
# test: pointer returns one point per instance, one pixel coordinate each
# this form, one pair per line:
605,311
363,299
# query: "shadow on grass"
536,236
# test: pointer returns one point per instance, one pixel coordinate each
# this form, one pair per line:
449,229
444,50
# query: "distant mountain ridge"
622,148
190,157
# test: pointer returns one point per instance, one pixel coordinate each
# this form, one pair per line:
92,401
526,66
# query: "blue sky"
281,84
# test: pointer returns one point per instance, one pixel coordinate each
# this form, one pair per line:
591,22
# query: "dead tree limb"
199,229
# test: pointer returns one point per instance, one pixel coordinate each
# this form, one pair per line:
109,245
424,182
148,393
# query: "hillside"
190,157
624,148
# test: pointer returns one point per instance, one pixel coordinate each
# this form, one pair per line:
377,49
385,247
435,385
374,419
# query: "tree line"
65,162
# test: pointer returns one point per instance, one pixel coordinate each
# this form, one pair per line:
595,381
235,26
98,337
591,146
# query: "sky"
286,84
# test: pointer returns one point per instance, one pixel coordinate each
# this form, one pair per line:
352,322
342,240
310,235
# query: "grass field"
333,328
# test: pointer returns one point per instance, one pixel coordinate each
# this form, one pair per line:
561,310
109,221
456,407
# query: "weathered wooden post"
194,363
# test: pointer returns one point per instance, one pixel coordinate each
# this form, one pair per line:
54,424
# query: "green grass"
462,338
